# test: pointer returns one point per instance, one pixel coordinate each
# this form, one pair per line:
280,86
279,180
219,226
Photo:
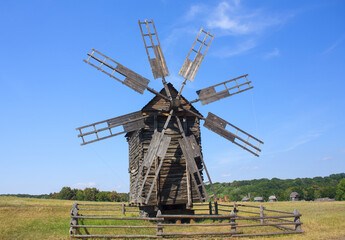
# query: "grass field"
24,218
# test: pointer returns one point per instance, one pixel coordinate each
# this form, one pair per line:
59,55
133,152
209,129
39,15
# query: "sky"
292,50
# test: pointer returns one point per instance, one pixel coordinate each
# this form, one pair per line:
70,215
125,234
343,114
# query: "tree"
114,196
90,194
66,193
341,190
79,195
103,196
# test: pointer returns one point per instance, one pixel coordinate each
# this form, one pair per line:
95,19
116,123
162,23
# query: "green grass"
25,218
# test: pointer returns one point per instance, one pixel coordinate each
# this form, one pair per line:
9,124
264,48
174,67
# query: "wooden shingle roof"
157,103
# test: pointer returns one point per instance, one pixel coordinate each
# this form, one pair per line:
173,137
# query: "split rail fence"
223,219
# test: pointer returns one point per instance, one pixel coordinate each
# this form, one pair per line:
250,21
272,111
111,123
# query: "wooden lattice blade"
237,136
105,129
117,71
194,58
230,88
153,49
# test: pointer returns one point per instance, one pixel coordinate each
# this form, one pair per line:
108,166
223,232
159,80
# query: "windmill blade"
104,129
194,58
219,125
153,49
132,79
232,87
191,151
156,148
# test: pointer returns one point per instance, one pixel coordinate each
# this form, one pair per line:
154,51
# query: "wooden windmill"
166,165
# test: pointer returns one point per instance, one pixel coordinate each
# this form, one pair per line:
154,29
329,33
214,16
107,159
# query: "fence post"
216,208
232,220
210,207
297,219
159,222
262,214
123,209
74,221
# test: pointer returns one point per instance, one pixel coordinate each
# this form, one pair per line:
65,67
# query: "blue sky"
293,52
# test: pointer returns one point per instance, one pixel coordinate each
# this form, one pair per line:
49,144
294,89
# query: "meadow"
25,218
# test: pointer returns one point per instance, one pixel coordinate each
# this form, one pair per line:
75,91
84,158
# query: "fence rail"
233,223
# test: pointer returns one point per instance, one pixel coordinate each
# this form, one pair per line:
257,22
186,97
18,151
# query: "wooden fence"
236,220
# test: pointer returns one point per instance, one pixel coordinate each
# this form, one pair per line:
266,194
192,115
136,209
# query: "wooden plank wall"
173,179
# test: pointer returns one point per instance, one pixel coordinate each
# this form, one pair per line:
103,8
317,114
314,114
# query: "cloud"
326,158
274,53
303,139
252,168
239,49
225,175
232,18
334,45
84,185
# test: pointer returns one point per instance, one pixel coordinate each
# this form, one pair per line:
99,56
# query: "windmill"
166,164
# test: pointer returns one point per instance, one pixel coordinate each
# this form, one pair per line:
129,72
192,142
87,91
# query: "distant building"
258,199
245,199
272,198
327,199
294,196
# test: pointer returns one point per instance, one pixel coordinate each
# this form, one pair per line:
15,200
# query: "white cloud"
274,53
250,168
326,158
338,42
234,19
241,48
301,140
225,175
84,185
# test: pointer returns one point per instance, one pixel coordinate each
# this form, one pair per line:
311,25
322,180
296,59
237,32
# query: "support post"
123,209
298,227
210,207
262,221
232,220
159,222
74,221
216,208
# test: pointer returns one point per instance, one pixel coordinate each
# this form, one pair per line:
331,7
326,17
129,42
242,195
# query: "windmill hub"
175,103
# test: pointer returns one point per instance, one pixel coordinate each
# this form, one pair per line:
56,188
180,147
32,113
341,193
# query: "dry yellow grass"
23,218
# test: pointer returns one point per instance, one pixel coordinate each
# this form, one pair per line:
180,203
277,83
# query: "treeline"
41,196
308,188
89,194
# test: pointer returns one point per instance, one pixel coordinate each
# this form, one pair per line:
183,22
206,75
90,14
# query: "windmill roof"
158,103
258,198
294,194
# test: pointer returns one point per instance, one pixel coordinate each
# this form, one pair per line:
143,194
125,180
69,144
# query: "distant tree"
340,193
90,194
103,196
79,195
66,193
328,191
114,196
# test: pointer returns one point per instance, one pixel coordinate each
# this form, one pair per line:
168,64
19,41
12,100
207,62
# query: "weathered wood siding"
172,179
